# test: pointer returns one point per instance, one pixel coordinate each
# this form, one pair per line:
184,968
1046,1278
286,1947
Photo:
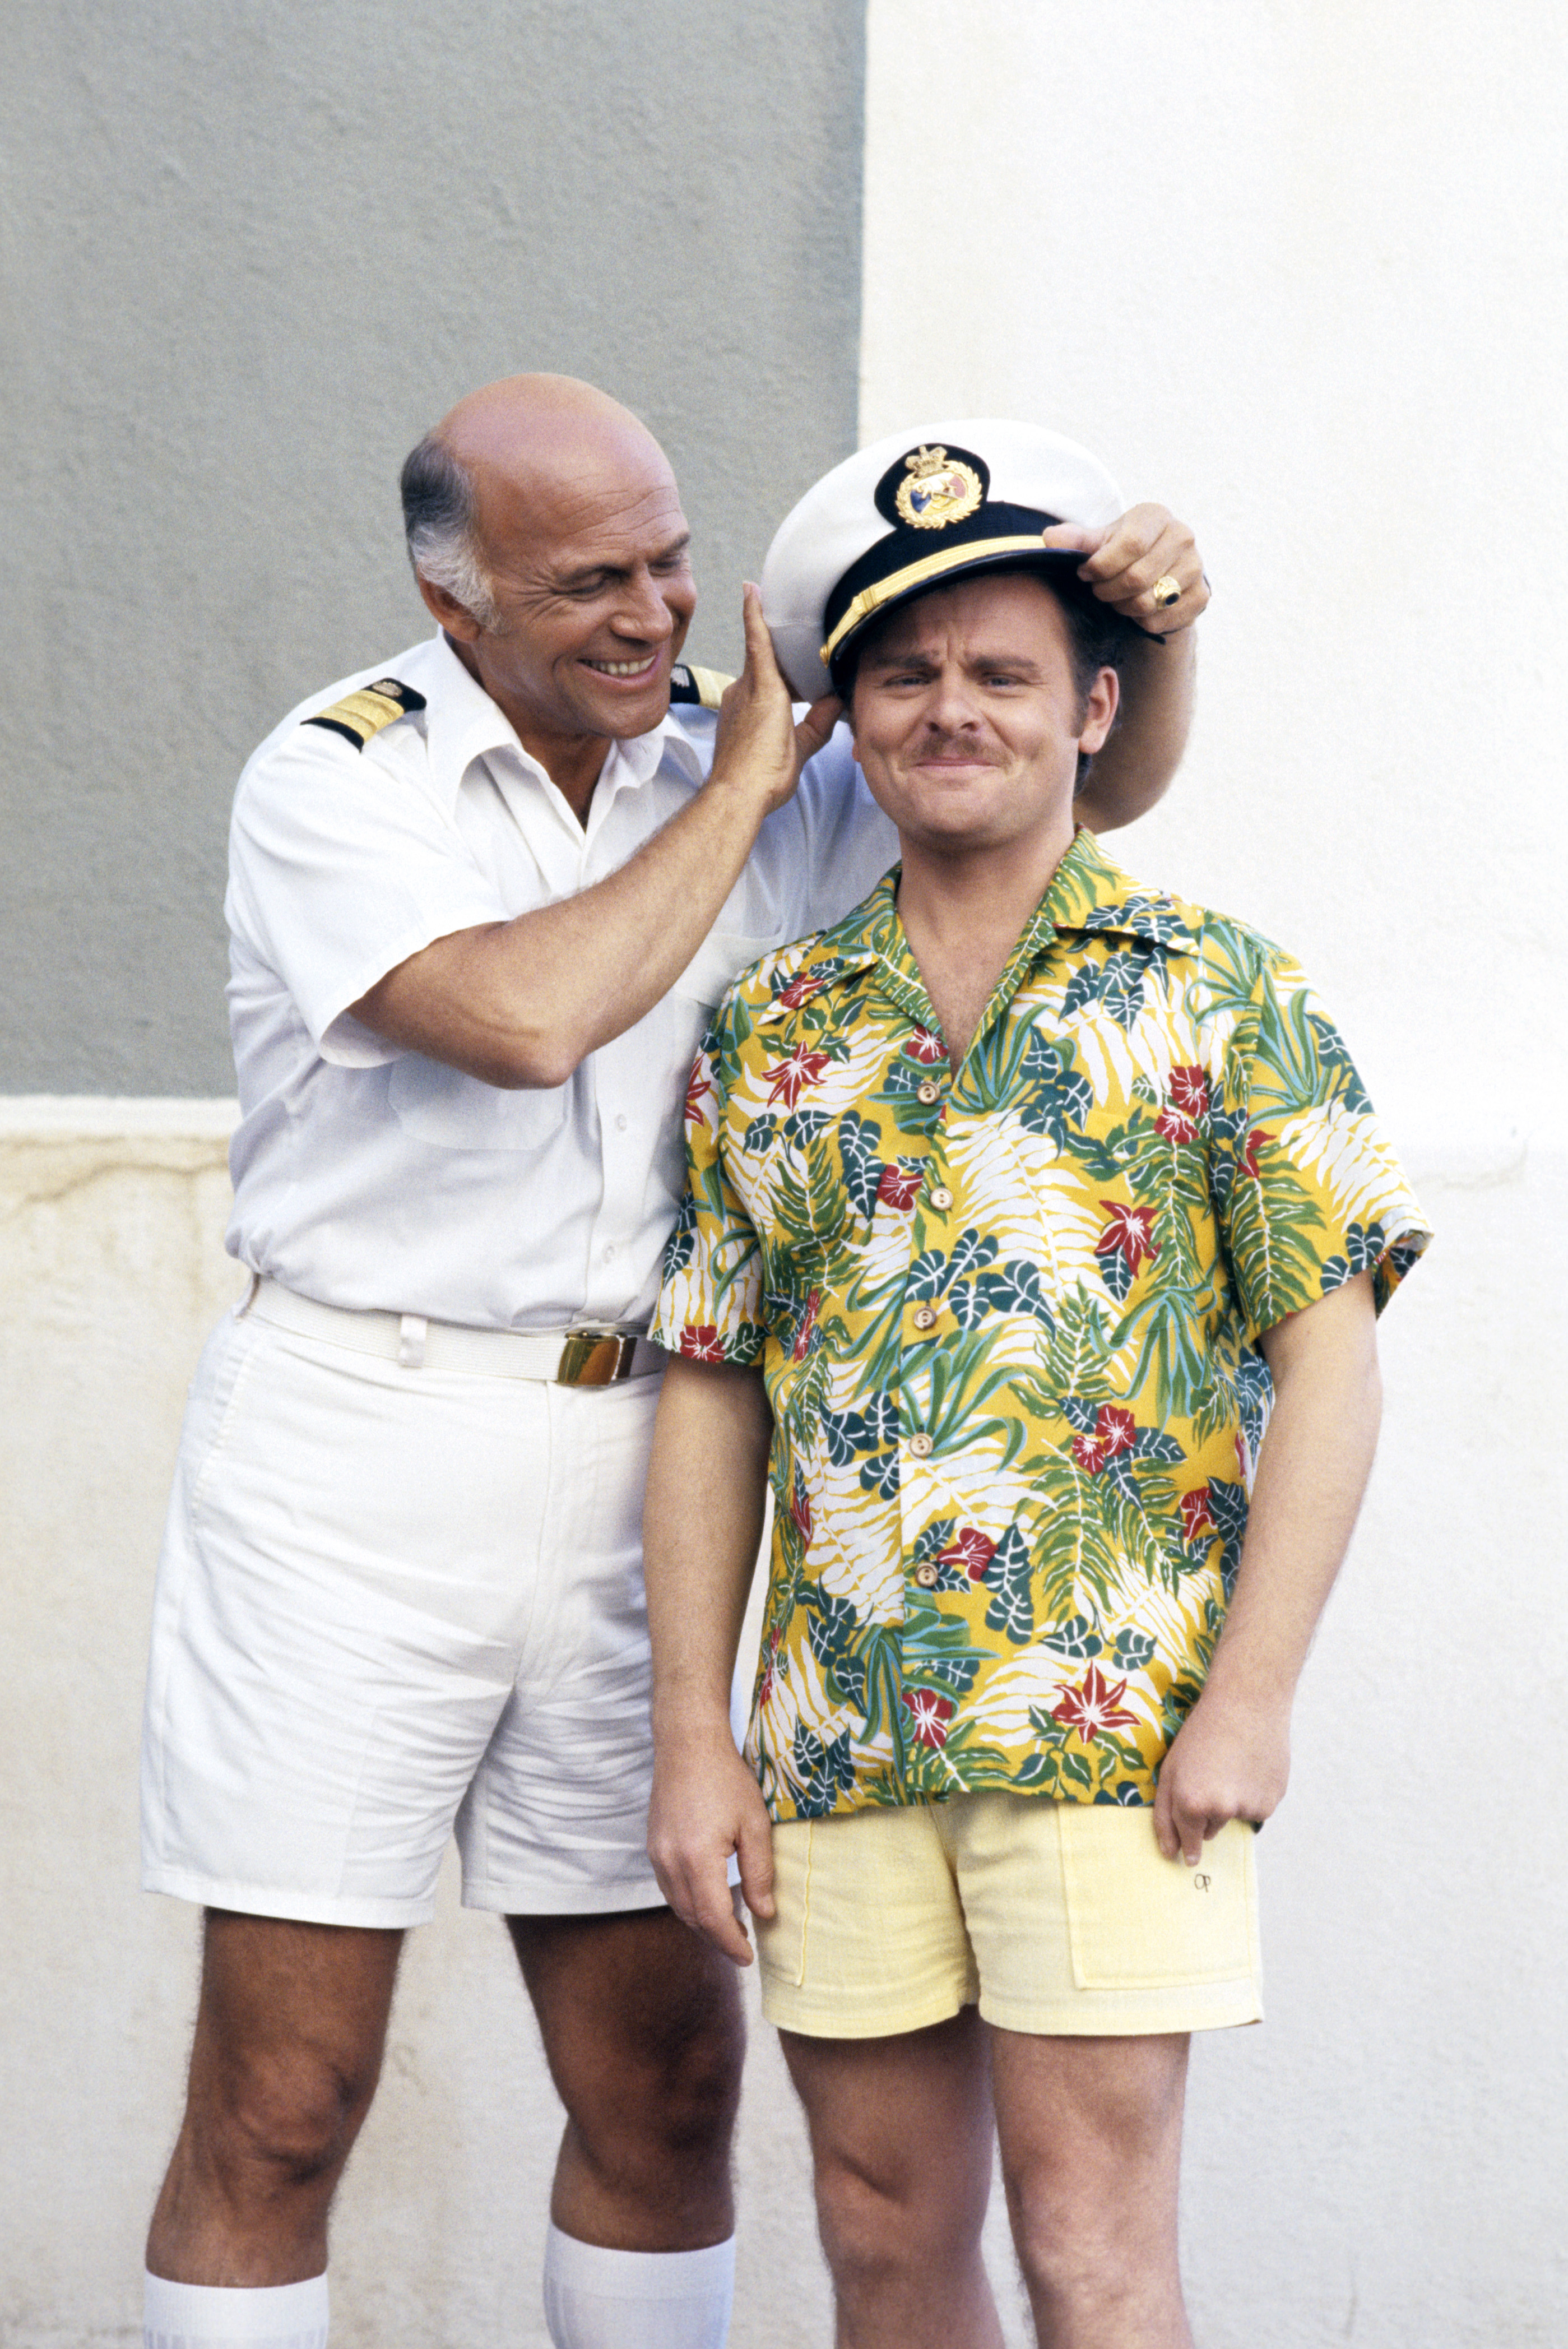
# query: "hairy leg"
901,2140
289,2034
644,2036
1090,2132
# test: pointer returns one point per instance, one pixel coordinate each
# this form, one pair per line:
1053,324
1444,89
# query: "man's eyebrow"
894,660
583,572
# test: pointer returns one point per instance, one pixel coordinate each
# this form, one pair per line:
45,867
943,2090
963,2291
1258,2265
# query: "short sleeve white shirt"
369,1176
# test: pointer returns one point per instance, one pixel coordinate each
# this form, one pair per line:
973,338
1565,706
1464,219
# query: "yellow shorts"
1058,1918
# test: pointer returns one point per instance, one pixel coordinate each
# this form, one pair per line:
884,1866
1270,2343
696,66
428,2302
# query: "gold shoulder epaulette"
360,715
702,685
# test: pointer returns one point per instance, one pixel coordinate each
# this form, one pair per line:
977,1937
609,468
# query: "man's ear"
1100,705
448,613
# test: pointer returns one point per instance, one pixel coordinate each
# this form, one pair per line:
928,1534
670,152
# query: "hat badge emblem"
937,490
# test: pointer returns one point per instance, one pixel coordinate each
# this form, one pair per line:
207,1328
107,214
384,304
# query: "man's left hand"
1229,1760
1125,561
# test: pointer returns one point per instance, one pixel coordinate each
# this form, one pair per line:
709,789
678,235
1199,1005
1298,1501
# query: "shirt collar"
1089,892
462,724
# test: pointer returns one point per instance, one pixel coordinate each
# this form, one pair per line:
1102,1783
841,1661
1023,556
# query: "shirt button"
622,1122
924,1316
610,1253
928,1092
926,1576
921,1446
941,1196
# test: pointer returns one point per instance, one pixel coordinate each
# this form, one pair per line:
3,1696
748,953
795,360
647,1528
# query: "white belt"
592,1356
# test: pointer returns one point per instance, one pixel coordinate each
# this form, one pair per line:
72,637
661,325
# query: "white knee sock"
210,2316
595,2299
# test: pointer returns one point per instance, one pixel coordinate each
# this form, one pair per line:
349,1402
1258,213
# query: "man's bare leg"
289,2036
1090,2132
644,2036
900,2139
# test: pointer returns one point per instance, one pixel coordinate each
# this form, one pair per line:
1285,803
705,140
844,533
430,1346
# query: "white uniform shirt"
369,1176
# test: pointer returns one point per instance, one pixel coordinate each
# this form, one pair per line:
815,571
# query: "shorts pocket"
1137,1920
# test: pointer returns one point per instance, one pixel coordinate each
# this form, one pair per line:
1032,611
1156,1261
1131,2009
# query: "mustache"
940,740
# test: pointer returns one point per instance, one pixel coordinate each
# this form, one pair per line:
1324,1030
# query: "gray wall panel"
250,254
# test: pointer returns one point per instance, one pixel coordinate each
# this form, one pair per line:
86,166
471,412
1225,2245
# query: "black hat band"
893,567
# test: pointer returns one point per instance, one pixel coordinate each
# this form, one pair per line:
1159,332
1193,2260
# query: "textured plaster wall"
1299,273
248,254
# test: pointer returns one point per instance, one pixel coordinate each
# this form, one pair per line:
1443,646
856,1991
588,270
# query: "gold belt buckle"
596,1358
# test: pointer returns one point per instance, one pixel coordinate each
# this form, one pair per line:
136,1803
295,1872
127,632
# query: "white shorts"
392,1602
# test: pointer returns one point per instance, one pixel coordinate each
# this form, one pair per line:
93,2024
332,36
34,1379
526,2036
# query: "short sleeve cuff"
343,1041
705,1341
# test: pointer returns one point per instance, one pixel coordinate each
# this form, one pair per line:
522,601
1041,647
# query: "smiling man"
1010,1199
483,900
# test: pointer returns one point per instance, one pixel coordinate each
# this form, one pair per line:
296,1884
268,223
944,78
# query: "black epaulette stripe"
362,714
700,688
335,726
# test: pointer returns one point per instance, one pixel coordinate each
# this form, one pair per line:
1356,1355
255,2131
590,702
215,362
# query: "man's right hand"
707,1805
759,746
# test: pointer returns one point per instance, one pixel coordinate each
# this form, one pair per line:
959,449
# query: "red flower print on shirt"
1089,1453
699,1343
900,1185
1095,1704
1195,1519
696,1085
971,1550
932,1714
924,1046
1175,1124
790,1078
1129,1234
1190,1092
801,1511
1116,1430
807,1323
800,989
770,1669
1250,1155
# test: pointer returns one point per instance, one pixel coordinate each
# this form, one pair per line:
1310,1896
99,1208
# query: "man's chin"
621,715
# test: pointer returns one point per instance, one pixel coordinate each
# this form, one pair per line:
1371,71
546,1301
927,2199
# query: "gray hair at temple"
438,521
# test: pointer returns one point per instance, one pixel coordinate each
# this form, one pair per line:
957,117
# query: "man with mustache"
482,901
1010,1197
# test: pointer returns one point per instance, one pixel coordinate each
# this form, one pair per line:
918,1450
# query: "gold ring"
1166,591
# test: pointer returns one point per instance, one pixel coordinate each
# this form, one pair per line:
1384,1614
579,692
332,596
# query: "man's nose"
643,610
951,706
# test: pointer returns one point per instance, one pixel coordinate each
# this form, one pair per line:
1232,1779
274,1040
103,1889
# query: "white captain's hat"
911,513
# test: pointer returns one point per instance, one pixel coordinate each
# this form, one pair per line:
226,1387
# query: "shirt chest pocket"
721,958
451,1110
696,994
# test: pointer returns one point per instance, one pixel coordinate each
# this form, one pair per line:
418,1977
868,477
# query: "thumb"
754,1850
1165,1834
759,661
1073,538
818,724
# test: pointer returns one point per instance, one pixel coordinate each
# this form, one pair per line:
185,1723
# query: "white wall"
1297,273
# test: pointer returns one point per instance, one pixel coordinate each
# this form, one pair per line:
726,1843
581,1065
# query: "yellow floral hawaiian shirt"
1006,1318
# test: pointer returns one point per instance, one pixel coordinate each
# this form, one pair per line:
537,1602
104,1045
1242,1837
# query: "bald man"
483,900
